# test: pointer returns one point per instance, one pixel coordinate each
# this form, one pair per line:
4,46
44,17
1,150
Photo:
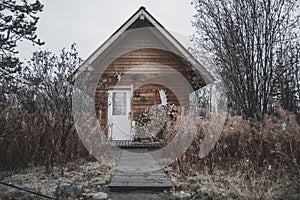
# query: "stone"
181,195
205,190
95,196
66,190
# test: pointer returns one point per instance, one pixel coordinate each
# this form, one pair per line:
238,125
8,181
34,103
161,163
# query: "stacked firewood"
155,122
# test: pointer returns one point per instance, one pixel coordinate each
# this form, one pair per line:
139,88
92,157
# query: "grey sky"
89,23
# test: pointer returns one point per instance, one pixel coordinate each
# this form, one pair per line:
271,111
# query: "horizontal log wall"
137,69
147,96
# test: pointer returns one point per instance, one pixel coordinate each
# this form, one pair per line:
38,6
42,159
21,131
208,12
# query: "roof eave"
124,27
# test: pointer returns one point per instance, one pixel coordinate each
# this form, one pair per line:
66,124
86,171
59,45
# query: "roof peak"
141,19
142,8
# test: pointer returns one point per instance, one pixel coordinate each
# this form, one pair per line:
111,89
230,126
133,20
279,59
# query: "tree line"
35,120
255,47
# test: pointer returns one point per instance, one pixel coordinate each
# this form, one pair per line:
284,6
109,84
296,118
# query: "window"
119,103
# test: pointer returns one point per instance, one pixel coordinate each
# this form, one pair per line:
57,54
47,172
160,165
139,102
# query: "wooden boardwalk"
127,144
139,171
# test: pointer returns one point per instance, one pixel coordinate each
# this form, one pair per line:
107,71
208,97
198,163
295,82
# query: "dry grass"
36,138
91,175
237,184
252,160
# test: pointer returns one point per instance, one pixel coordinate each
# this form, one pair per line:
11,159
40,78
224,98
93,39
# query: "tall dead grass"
36,138
272,143
259,160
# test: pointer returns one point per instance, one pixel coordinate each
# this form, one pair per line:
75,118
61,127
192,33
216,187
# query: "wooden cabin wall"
145,95
148,95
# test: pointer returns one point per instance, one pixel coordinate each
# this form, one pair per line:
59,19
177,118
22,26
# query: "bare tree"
287,90
40,107
48,74
249,41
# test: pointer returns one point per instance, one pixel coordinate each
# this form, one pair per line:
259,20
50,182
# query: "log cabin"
139,78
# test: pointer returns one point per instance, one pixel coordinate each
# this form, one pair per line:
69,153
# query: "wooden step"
139,171
127,144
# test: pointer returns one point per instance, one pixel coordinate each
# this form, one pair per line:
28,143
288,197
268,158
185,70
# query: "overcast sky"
89,23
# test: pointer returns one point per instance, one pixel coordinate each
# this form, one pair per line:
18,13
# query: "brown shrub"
36,138
273,143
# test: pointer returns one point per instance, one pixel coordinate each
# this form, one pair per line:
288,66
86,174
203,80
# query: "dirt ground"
94,177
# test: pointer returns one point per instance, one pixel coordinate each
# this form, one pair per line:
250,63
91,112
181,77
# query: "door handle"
129,115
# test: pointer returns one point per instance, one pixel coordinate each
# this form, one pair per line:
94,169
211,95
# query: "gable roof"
148,21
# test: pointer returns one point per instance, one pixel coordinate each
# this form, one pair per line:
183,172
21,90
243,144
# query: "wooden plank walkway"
139,171
130,144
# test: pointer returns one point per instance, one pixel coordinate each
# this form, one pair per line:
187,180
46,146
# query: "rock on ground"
95,196
181,195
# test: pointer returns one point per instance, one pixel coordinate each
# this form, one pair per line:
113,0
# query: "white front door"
119,114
